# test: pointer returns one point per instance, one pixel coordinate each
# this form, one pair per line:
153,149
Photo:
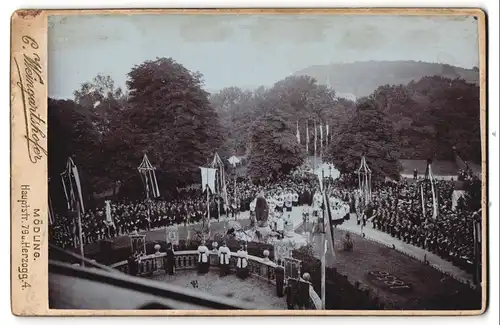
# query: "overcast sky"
247,50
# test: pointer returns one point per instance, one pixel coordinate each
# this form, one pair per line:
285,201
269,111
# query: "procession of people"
395,208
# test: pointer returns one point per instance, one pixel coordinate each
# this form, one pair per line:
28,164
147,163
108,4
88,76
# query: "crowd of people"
397,210
189,207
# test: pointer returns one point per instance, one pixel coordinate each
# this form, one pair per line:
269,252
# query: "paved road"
250,290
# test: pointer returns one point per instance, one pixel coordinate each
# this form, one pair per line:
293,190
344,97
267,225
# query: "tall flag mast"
327,134
429,178
321,140
148,177
73,192
220,182
307,137
315,145
298,133
364,180
207,184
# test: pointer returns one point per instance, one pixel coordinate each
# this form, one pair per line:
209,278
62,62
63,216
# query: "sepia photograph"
291,162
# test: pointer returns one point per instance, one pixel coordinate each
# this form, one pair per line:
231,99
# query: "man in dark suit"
170,259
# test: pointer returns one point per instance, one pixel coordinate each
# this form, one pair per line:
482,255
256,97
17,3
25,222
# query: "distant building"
347,96
441,169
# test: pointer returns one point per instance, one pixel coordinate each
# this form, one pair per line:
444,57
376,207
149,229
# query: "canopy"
327,171
234,161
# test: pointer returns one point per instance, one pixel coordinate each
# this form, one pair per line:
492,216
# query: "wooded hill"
362,78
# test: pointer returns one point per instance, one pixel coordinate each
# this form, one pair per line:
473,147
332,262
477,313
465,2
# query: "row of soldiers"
398,212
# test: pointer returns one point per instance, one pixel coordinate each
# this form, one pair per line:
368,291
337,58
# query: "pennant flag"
315,138
327,134
148,177
109,218
74,198
72,187
307,138
51,212
423,200
208,178
477,245
321,133
435,209
321,139
298,133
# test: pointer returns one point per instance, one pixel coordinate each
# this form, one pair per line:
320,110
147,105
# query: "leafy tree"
296,99
169,117
71,134
368,132
433,115
273,149
102,99
236,108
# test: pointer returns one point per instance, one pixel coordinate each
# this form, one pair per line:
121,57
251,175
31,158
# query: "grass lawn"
428,285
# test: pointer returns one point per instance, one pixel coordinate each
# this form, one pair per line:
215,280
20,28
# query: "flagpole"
218,196
323,255
321,140
307,139
323,273
208,205
78,211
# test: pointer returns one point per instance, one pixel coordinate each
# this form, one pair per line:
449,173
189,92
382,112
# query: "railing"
149,265
258,267
98,289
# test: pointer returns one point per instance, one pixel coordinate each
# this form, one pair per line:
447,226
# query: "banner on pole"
282,250
208,178
307,138
298,132
172,234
